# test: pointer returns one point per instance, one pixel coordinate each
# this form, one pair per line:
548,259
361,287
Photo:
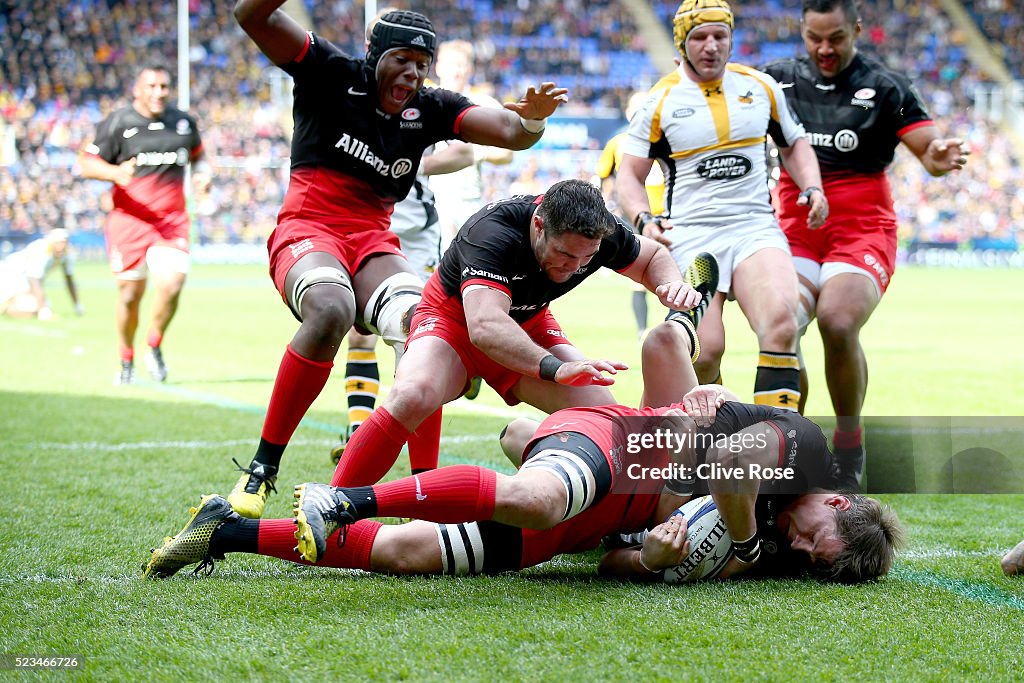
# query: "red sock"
371,451
459,493
127,353
847,440
299,381
277,539
424,444
154,339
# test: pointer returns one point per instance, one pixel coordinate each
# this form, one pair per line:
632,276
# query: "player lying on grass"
574,486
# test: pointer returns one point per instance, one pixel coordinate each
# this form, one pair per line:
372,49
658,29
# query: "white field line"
228,443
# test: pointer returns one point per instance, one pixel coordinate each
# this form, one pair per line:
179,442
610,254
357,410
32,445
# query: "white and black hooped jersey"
710,140
493,249
339,126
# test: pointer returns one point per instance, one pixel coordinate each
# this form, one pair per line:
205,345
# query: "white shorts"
13,284
422,247
730,245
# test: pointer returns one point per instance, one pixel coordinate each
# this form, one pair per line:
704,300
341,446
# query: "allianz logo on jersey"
845,140
361,151
176,158
724,166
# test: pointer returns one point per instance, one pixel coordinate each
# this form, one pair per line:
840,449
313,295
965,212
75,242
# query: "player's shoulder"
871,71
123,117
667,82
322,53
506,215
174,115
742,71
788,69
442,98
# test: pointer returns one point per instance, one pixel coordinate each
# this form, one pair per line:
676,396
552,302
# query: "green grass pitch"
94,475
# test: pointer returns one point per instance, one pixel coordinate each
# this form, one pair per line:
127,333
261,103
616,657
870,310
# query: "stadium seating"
65,65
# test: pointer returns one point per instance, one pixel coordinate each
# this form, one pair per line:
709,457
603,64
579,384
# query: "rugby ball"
710,543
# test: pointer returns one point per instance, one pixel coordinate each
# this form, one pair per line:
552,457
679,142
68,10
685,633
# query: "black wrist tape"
548,367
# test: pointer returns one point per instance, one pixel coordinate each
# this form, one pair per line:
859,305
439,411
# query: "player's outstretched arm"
520,124
735,485
455,157
655,269
494,332
938,155
276,34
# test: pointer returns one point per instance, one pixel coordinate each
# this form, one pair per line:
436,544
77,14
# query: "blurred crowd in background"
64,65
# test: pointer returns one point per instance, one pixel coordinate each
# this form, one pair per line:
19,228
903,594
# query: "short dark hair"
872,534
851,8
575,206
152,67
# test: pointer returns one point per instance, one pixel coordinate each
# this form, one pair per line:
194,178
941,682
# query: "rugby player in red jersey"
573,486
855,111
143,150
361,126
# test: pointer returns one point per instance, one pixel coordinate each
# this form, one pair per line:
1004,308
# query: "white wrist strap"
534,126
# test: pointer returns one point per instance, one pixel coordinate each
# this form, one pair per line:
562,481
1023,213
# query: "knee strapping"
385,312
321,275
462,548
576,476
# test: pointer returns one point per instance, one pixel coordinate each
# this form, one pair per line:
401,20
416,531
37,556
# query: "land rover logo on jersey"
846,140
410,114
182,127
401,167
724,166
683,113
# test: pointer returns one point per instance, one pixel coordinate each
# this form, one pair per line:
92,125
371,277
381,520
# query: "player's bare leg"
711,333
668,371
845,303
327,308
429,375
765,285
515,437
167,288
808,301
126,316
